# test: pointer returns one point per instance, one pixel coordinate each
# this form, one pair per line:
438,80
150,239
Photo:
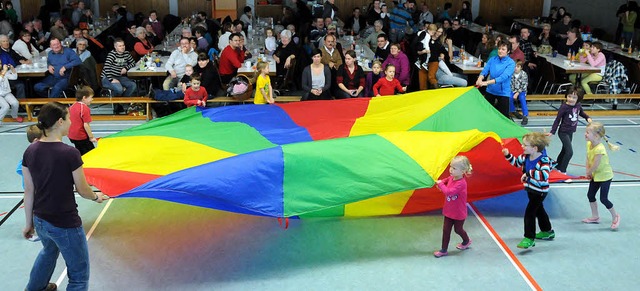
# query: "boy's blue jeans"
522,98
72,243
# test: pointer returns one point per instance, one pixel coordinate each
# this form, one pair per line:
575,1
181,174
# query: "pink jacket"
455,198
599,62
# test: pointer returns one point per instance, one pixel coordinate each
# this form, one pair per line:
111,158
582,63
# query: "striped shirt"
538,176
114,64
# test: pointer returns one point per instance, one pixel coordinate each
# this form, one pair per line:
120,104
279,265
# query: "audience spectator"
77,13
457,34
401,62
10,57
445,12
330,9
95,46
355,23
114,74
384,16
372,78
203,44
373,12
12,15
317,32
350,78
88,66
426,17
60,62
157,27
436,47
40,34
595,58
178,59
24,47
223,42
208,74
446,77
401,21
142,45
247,16
231,59
465,12
484,47
560,28
372,38
382,51
130,36
628,20
8,102
86,19
284,54
516,53
58,30
151,35
330,55
316,78
572,43
545,36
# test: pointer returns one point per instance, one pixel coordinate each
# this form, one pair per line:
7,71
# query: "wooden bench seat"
30,103
537,97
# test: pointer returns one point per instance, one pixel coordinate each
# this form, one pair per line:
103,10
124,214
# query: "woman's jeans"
72,243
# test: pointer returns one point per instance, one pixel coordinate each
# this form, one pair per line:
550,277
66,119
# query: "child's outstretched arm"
516,161
87,128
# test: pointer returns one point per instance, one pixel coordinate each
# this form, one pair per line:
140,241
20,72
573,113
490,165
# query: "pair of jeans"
457,80
522,98
72,243
125,88
57,85
566,153
535,210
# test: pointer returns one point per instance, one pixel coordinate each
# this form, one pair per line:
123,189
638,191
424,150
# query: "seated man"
114,73
177,62
60,61
231,59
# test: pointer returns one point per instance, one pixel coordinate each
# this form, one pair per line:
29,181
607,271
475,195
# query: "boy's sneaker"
548,235
417,63
616,222
526,243
463,246
524,121
518,115
438,254
591,220
425,65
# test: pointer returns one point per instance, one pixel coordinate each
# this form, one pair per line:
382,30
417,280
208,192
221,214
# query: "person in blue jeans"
51,168
60,62
114,73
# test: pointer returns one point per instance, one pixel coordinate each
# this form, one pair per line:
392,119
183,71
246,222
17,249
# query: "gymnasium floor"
144,244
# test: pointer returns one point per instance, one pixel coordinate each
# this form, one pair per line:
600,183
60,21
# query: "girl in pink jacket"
455,203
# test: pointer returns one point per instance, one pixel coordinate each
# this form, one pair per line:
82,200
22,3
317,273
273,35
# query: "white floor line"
93,227
502,249
586,185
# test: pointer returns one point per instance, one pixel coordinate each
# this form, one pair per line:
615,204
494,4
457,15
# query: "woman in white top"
24,47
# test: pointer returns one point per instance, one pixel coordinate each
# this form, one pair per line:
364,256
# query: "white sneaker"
425,65
417,63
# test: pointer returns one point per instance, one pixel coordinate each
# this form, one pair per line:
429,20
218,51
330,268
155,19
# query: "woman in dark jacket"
208,74
316,79
350,78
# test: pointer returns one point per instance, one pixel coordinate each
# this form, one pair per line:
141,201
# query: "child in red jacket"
195,95
389,84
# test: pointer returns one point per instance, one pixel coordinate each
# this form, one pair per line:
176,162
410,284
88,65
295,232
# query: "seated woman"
446,77
24,47
572,43
401,62
142,45
285,53
316,78
485,47
208,74
350,78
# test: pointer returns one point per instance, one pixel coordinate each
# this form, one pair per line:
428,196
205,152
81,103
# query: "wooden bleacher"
30,103
587,97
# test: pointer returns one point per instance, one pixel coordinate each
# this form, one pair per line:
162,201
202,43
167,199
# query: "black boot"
524,121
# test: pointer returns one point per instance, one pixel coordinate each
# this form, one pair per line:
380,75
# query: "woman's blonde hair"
464,163
537,139
598,128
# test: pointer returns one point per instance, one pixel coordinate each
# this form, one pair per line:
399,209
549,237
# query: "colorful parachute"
354,157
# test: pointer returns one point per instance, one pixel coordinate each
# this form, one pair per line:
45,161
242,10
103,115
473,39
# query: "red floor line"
523,271
616,172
